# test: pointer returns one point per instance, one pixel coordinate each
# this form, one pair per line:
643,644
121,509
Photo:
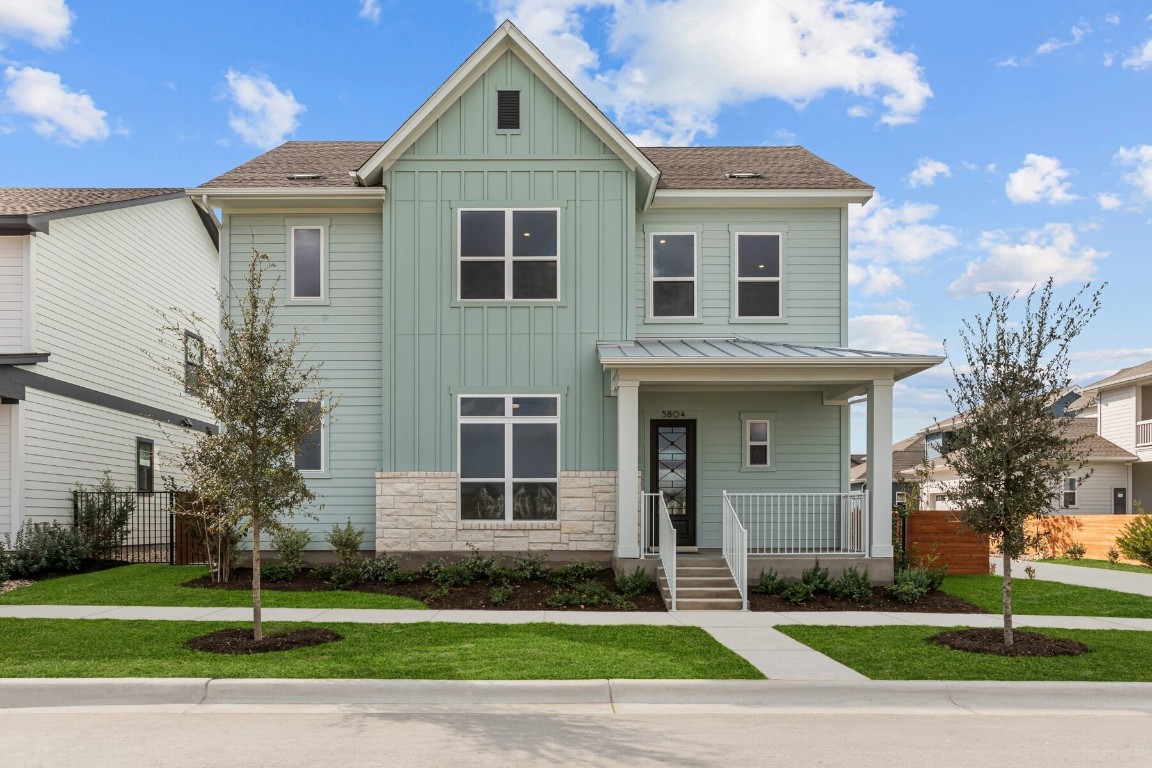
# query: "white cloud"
683,61
1108,202
895,333
1056,44
884,236
874,279
1112,354
1052,251
1140,158
264,114
926,172
370,9
785,135
44,23
859,110
1011,61
1041,178
56,112
1140,57
1112,18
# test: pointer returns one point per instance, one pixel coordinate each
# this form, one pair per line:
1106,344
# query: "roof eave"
705,198
290,193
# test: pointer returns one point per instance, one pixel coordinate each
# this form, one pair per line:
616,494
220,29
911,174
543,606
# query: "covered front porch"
740,450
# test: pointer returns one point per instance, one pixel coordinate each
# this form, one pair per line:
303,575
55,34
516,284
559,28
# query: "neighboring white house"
84,275
1121,408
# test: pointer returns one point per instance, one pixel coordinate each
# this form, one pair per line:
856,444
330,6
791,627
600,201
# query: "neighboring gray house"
1121,408
906,454
84,274
530,321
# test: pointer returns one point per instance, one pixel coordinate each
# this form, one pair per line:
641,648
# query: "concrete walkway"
751,634
1117,581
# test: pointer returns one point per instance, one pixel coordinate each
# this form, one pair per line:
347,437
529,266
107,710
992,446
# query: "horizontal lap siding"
345,338
12,309
1118,417
1094,497
6,468
806,446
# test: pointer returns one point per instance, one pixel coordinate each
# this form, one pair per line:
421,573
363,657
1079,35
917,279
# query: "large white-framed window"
672,275
757,441
307,263
508,254
312,450
758,276
508,452
1071,489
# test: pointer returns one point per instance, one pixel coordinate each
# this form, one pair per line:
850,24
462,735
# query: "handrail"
666,540
735,537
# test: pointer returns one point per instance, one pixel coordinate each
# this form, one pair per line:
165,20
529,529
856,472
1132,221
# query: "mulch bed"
933,602
239,641
991,640
529,595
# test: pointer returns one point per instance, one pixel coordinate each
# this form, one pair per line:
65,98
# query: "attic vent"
507,110
744,175
305,176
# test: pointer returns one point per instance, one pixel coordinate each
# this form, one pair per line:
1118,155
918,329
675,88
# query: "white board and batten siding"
1118,417
102,280
13,294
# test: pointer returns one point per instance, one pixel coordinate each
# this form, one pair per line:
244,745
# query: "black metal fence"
134,526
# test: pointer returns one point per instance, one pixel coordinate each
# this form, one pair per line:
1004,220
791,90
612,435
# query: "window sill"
756,320
505,525
307,302
315,474
674,320
754,470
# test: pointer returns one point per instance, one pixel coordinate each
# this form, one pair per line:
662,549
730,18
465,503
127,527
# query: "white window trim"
507,258
747,418
651,277
509,479
1075,493
290,262
782,280
324,470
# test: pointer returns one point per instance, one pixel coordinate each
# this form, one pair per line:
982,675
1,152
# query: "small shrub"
1113,555
501,594
635,583
589,594
290,544
573,573
1030,572
909,585
1135,539
277,572
818,578
1075,551
45,548
531,566
853,585
345,542
501,575
430,568
454,575
480,566
770,583
5,566
346,576
382,568
798,592
103,515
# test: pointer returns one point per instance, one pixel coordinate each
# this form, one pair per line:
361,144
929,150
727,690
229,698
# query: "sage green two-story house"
545,338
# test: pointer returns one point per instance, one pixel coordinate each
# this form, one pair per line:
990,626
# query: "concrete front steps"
702,584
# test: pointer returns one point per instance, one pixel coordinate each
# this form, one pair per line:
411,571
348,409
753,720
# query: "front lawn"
1103,564
903,653
1047,598
162,585
426,650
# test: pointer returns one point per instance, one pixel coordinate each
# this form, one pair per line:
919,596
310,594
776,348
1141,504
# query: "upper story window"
673,271
310,451
758,276
507,110
193,361
145,469
307,262
509,254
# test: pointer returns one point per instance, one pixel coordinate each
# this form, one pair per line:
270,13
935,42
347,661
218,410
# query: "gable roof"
1131,373
906,454
24,210
773,168
314,163
508,38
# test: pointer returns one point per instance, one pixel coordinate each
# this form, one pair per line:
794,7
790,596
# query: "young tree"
266,402
1012,452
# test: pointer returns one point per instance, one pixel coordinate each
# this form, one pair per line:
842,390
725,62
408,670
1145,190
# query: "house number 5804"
673,414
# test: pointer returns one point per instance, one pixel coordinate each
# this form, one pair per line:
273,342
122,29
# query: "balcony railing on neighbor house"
659,536
803,523
1144,434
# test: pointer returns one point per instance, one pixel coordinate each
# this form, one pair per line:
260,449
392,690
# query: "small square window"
756,442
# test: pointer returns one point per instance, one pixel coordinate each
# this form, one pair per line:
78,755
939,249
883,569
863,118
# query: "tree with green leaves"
266,401
1012,450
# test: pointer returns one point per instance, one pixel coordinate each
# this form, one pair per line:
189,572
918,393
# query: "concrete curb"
875,697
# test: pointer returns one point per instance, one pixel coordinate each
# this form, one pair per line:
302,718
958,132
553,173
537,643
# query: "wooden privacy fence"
1096,532
930,533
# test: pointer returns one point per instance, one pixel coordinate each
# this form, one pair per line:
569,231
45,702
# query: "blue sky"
1007,141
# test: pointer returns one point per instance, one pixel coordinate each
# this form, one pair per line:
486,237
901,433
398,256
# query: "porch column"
880,467
627,467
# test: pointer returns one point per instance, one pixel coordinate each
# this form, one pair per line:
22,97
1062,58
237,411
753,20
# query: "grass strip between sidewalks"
903,653
1033,597
426,650
152,585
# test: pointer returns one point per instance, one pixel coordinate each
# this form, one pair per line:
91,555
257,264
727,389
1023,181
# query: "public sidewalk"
749,634
1117,581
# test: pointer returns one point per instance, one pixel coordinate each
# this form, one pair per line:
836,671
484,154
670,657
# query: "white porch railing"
1144,433
803,523
658,521
735,550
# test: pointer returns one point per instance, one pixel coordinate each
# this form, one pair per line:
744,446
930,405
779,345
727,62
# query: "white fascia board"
789,369
742,198
772,362
288,193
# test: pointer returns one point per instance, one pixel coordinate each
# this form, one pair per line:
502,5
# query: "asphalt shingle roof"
25,201
331,161
1124,374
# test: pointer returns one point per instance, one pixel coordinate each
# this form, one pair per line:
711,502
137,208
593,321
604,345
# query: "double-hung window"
509,457
310,449
756,443
307,263
758,276
193,361
673,265
509,254
145,465
1071,486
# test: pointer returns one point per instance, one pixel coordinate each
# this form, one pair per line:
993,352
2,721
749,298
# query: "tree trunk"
257,626
1007,600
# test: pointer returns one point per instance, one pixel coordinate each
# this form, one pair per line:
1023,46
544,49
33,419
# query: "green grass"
1103,564
901,653
425,650
162,585
1047,598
